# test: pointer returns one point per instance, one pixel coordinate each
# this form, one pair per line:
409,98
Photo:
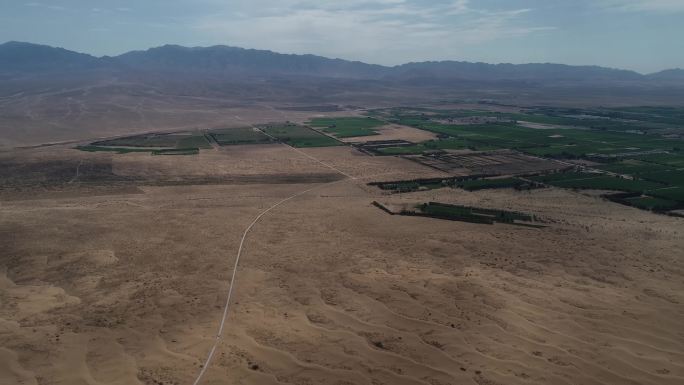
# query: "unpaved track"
226,307
235,268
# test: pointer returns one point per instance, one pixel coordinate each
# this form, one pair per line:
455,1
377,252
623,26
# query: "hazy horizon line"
337,58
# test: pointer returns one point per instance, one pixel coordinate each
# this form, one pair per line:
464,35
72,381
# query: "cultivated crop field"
239,135
299,136
173,140
632,149
579,137
463,214
180,143
347,127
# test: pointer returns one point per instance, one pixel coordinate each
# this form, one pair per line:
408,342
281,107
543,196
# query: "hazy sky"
644,35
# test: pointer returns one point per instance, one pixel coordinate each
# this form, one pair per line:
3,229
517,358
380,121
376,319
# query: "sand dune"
128,288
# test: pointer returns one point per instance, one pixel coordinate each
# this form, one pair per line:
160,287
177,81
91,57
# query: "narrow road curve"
78,169
226,307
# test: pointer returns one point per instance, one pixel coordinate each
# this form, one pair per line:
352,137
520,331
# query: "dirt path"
226,307
78,169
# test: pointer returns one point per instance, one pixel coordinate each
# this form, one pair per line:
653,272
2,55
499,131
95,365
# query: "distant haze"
640,35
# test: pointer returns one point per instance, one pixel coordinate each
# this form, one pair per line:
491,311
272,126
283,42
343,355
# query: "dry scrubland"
117,274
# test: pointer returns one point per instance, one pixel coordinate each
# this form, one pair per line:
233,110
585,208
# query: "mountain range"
17,58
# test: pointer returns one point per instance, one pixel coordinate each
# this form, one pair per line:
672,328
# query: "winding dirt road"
226,307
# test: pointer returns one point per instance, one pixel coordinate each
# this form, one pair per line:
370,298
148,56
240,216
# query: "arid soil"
395,132
118,273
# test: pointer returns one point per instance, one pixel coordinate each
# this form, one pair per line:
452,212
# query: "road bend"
226,308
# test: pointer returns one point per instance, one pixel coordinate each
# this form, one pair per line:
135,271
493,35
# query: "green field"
439,144
414,185
671,177
674,160
561,176
633,167
470,214
347,127
666,185
608,183
555,142
651,203
485,184
606,119
177,151
240,135
91,148
579,180
642,144
675,193
299,136
193,141
173,140
180,143
470,183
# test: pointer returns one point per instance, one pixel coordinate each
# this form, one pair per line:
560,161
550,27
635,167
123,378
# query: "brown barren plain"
114,269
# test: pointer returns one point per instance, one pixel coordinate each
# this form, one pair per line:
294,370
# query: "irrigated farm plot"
675,193
299,136
581,180
178,143
436,145
652,203
486,184
633,167
463,214
240,135
671,177
347,127
490,163
158,140
554,142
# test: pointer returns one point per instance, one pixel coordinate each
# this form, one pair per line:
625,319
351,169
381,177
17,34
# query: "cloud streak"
382,31
645,5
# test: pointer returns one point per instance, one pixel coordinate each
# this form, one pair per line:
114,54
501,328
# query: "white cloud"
383,31
646,5
46,6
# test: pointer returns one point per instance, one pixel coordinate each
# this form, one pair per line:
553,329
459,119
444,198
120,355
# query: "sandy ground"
395,132
128,288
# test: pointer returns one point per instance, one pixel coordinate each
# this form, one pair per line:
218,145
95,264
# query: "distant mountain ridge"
671,74
239,60
27,58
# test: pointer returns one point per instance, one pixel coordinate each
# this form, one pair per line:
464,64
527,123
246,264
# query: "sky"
641,35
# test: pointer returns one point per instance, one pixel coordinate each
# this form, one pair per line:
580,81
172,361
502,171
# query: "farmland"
576,138
674,177
651,203
180,143
240,135
675,193
607,183
347,127
484,184
299,136
155,140
190,143
463,214
432,145
631,150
